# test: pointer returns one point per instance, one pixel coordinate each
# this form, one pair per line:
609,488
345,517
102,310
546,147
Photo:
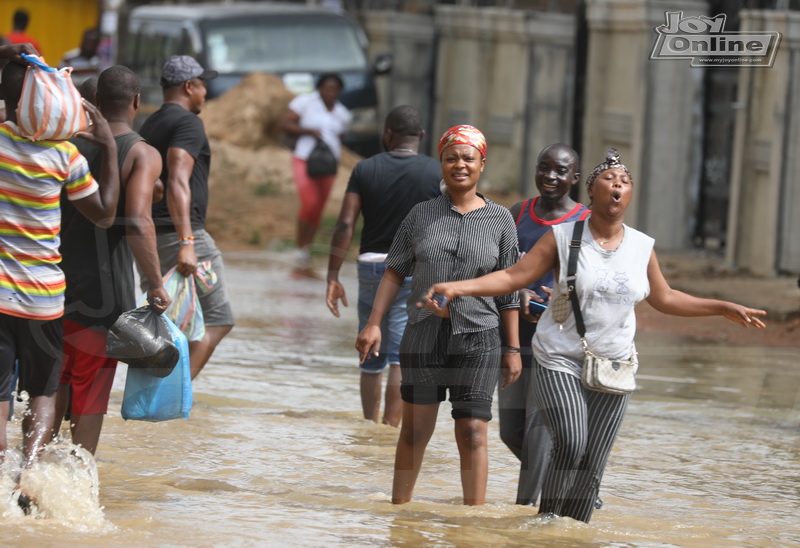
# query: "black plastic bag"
141,338
321,162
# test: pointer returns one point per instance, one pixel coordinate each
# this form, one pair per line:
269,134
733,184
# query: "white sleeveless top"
609,284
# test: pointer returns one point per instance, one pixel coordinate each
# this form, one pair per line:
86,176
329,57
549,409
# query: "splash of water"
63,485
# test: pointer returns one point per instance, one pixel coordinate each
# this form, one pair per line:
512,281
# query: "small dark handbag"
321,162
598,373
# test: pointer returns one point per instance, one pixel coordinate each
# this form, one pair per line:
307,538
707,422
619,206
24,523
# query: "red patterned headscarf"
463,135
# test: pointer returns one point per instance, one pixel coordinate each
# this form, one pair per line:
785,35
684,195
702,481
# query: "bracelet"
188,240
510,349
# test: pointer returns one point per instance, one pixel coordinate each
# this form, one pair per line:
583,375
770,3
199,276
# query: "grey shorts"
214,302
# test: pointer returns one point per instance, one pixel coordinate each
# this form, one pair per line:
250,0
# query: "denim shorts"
394,322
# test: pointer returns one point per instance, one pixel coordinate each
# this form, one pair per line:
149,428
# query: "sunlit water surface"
276,452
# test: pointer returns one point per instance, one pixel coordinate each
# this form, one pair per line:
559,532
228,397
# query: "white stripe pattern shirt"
436,243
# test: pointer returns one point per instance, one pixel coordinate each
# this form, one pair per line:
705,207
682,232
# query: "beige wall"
648,110
764,212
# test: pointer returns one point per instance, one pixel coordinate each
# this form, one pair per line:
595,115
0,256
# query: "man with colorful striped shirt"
32,175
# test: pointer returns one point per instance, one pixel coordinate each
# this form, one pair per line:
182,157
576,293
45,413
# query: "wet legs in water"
416,430
200,351
371,390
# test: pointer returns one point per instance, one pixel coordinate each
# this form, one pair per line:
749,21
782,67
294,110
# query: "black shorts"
37,346
433,361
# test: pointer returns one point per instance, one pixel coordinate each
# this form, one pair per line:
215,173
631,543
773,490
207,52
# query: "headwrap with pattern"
463,135
612,162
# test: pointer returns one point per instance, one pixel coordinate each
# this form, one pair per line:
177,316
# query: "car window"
280,44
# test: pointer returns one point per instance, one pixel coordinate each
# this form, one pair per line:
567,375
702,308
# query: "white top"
315,115
609,284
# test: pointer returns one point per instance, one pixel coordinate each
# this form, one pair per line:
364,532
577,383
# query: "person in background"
617,268
313,116
521,428
383,189
178,133
84,60
458,235
98,264
19,34
32,294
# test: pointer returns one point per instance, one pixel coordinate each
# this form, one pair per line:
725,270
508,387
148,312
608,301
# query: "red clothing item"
20,37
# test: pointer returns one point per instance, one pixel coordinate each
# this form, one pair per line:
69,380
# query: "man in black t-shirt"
383,189
179,135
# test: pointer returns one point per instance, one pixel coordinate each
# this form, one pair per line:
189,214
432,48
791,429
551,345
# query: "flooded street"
276,452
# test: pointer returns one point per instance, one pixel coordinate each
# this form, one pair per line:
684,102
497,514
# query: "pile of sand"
253,200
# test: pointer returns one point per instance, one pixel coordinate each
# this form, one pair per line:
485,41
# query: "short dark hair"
117,86
325,76
404,120
88,88
21,19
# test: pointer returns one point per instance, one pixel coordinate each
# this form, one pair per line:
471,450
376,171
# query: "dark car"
295,41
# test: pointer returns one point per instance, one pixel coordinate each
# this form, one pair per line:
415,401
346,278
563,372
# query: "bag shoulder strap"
572,267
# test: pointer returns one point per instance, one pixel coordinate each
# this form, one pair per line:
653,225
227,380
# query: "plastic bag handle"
33,60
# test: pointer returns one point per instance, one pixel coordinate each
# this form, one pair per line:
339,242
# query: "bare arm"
677,303
179,198
542,258
290,123
340,243
12,52
370,336
512,361
144,170
101,206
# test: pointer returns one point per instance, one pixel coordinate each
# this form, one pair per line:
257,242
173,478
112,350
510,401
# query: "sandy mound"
253,200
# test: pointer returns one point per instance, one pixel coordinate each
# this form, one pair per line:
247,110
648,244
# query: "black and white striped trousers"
583,424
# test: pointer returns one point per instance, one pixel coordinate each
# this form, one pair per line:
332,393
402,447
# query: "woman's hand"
369,340
746,317
525,296
445,289
511,368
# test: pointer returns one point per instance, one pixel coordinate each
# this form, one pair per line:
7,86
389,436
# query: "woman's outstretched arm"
677,303
541,259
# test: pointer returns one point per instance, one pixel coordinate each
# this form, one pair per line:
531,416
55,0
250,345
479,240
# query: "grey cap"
181,68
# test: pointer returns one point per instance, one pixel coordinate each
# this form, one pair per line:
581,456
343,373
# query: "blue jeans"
394,322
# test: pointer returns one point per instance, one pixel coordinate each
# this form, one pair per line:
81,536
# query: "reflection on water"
276,452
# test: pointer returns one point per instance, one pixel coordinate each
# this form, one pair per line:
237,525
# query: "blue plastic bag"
154,399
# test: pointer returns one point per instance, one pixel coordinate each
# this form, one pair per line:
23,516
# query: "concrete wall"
764,212
509,73
647,109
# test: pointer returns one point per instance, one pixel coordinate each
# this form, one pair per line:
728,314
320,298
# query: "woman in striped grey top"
456,236
617,268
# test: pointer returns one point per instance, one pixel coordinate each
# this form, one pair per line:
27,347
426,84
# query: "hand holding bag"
153,399
50,106
598,373
321,162
185,308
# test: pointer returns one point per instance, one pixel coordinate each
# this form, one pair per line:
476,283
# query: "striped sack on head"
50,107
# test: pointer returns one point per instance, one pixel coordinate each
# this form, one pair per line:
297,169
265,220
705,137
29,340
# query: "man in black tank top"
98,264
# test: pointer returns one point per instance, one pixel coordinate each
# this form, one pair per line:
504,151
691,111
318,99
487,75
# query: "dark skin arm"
677,303
290,122
13,52
143,167
340,243
101,206
512,361
179,197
